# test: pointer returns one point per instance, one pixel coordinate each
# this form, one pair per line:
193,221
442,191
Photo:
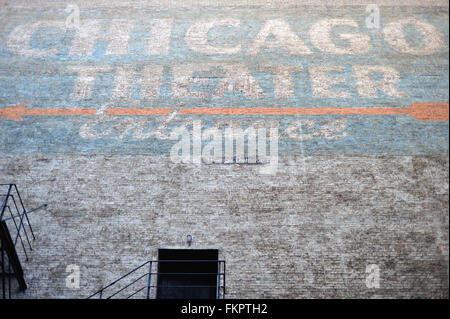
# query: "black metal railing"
139,283
15,227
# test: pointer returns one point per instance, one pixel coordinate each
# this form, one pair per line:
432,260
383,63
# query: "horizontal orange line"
138,111
423,111
431,111
292,111
57,111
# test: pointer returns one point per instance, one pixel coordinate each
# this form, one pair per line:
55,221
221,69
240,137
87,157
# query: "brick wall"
308,232
364,190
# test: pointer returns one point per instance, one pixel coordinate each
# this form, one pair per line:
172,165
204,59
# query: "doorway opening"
188,274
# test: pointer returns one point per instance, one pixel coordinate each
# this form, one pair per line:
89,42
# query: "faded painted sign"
113,82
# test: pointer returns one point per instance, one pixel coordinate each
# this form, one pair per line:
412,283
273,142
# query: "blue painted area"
44,82
399,135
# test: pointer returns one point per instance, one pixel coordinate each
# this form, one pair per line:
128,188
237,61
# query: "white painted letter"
320,34
282,80
431,37
19,38
197,36
284,38
89,33
321,82
150,82
238,78
182,80
367,87
160,36
85,80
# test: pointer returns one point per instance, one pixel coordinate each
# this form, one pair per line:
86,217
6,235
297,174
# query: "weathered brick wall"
308,232
358,191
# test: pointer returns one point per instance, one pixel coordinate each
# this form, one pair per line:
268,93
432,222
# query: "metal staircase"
16,235
149,281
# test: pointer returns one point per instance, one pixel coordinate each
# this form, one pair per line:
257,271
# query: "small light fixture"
189,239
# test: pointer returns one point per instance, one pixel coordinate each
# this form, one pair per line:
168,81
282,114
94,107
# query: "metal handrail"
5,200
13,204
19,214
133,282
117,280
28,212
220,278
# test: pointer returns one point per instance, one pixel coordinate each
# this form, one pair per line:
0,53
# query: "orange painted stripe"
137,111
429,111
424,111
57,111
293,111
16,112
432,111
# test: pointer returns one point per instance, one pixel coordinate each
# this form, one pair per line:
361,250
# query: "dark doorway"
187,273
